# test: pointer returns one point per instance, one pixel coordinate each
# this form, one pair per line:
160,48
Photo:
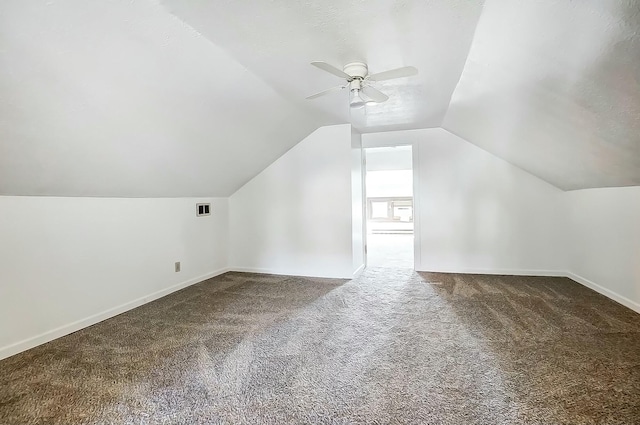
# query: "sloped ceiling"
121,98
193,98
554,88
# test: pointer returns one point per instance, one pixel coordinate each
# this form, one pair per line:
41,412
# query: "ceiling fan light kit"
358,80
355,98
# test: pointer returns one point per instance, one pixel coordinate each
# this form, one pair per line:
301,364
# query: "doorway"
389,207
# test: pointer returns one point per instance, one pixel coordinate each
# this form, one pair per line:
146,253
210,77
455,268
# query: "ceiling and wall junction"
178,98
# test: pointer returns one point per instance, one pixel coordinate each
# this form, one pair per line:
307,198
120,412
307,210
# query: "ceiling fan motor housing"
356,70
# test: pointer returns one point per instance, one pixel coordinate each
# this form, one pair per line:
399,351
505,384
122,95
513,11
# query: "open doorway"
389,207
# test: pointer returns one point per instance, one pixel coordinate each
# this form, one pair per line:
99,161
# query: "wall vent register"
203,209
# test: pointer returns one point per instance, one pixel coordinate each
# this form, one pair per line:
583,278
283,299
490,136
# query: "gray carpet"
391,347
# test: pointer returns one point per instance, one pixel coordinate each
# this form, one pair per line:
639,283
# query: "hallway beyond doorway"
389,206
390,250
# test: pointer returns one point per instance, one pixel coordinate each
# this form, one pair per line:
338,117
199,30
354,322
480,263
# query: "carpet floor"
390,347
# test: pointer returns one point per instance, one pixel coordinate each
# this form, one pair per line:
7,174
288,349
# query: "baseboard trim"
505,272
61,331
604,291
280,273
255,270
551,273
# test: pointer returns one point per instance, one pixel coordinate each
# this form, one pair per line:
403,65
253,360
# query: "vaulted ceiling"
554,88
184,98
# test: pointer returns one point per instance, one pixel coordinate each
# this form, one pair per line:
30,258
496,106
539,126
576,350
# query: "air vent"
203,209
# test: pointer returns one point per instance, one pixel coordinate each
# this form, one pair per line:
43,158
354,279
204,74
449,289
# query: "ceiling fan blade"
322,93
331,69
407,71
375,94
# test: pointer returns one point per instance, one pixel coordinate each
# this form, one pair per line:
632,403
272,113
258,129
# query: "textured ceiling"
554,88
193,98
278,39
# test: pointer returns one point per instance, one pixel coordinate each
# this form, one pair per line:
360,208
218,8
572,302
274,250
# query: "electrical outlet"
177,266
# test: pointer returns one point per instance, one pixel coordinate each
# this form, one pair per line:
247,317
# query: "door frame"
416,207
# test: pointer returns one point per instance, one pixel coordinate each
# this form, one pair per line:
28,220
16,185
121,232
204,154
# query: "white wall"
603,243
295,217
476,212
67,263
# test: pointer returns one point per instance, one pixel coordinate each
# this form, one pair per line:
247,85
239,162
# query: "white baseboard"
507,272
552,273
604,291
61,331
256,270
285,273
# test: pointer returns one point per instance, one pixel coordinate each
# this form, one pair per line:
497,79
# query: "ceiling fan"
358,80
